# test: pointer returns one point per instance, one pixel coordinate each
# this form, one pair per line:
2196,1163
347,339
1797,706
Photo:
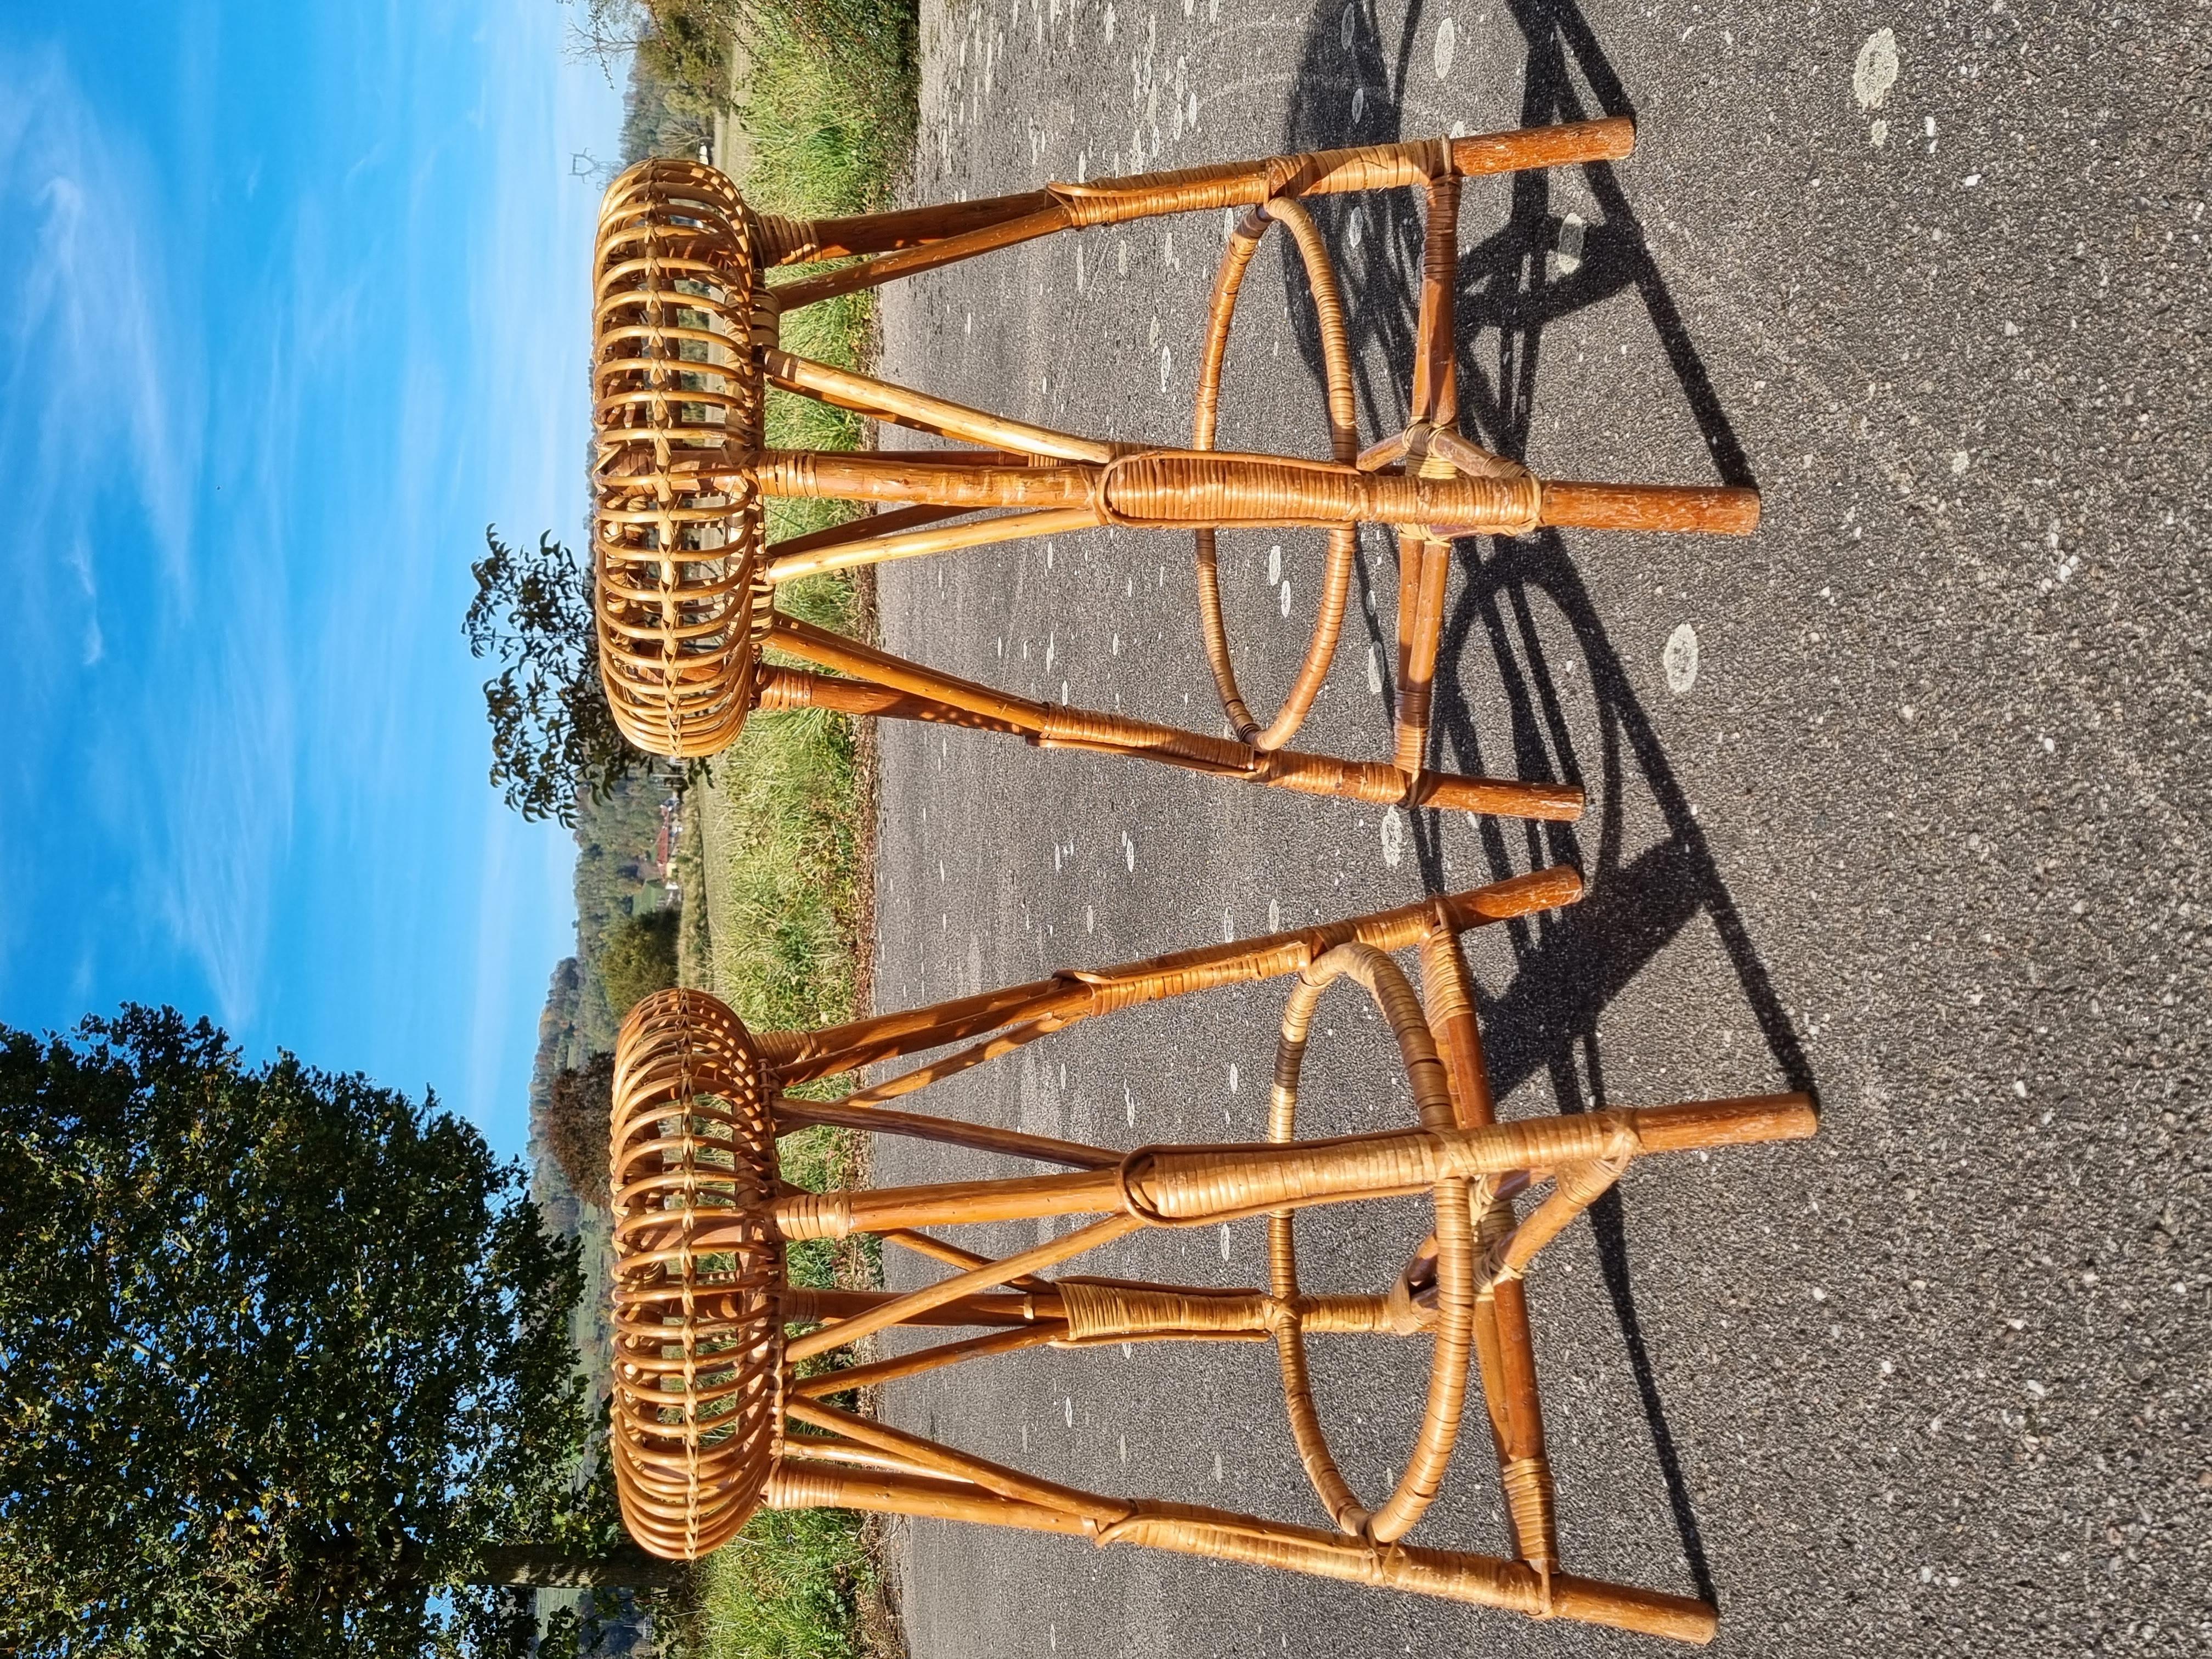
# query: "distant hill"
556,1047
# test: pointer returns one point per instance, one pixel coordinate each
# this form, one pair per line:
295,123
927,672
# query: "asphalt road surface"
1903,799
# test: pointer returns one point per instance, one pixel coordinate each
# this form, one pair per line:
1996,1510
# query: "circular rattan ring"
696,1406
1344,446
1455,1254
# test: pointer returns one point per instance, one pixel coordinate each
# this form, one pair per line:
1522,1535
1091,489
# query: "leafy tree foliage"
576,1122
688,46
281,1354
619,875
640,958
553,736
660,118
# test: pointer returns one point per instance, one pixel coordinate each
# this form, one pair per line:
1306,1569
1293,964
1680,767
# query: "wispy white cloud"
224,817
148,667
97,389
529,296
222,761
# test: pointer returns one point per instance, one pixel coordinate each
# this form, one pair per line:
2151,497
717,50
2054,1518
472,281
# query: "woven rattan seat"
713,1417
687,329
698,1320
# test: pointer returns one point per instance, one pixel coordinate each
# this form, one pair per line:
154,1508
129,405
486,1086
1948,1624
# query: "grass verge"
775,867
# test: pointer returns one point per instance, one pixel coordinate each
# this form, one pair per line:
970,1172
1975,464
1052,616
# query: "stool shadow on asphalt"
1353,68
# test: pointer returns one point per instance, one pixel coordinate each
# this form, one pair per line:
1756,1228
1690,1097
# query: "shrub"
640,958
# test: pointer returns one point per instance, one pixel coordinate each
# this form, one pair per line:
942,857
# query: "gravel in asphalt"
1902,800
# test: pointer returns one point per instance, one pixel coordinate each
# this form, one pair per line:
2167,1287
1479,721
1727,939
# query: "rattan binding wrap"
696,1411
675,381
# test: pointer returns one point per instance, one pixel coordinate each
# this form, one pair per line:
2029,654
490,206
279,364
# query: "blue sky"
292,305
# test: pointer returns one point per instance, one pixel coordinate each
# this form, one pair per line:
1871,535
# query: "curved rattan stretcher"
686,341
713,1417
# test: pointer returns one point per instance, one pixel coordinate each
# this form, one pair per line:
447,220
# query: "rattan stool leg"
1199,1185
1451,1574
1436,356
801,1056
1424,563
905,689
1504,1351
927,239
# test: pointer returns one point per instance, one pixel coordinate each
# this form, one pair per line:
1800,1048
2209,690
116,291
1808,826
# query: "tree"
658,120
640,958
576,1124
281,1354
553,736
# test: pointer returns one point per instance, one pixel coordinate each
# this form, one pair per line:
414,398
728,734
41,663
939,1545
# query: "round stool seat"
697,1411
677,323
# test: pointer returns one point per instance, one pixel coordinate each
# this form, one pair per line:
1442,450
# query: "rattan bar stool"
686,329
714,1415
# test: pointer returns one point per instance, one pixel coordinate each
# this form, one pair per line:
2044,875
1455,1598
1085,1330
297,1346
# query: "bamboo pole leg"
1425,562
845,388
1423,567
779,689
1193,1186
1171,489
1054,726
940,1249
1197,1185
1451,1574
1714,510
822,1449
927,1359
922,243
1044,1005
805,1305
1379,783
802,1056
933,255
1505,1349
1436,372
861,528
891,546
962,1466
935,478
843,655
921,1076
1325,172
904,1309
802,241
1180,490
842,1212
1040,1007
803,1486
950,1132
